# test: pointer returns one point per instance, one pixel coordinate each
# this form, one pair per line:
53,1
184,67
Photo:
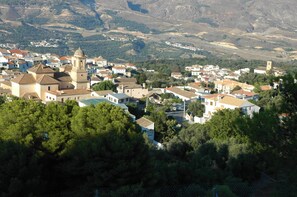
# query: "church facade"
43,83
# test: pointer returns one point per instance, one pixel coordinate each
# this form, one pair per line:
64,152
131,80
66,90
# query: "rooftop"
104,92
40,69
101,100
228,82
183,93
242,92
229,100
70,92
46,80
144,122
24,79
119,95
62,77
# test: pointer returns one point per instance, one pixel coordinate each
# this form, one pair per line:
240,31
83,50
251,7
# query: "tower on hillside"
269,67
78,72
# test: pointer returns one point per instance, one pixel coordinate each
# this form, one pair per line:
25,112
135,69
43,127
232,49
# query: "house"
133,90
241,94
18,53
96,101
65,60
95,80
182,94
154,97
131,66
119,70
216,102
70,94
196,72
100,62
260,70
102,93
124,81
226,86
176,75
43,83
232,76
23,65
147,127
104,72
4,57
118,98
130,87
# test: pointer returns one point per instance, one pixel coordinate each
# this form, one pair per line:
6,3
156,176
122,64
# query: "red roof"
63,58
18,51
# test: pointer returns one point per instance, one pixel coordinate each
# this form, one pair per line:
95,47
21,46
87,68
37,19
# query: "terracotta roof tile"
62,77
104,92
242,92
46,80
24,79
40,69
184,93
70,92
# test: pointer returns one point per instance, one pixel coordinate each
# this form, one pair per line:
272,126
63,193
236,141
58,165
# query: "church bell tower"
78,72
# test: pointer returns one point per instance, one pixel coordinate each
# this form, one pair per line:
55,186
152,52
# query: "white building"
119,70
118,98
147,127
226,86
182,94
216,102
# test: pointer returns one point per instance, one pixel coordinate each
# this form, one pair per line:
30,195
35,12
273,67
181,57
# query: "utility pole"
184,109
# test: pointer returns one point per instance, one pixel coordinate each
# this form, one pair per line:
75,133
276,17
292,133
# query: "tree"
105,85
223,125
112,152
164,127
2,99
196,108
20,171
141,78
54,127
18,122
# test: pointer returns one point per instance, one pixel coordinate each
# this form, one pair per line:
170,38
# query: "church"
43,83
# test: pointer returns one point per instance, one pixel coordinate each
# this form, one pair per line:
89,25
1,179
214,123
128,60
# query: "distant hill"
252,29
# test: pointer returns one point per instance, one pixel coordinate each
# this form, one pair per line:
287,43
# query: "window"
48,88
81,75
211,103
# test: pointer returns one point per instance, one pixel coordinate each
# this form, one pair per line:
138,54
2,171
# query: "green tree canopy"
104,85
196,108
111,148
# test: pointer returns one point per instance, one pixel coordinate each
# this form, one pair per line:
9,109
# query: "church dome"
79,53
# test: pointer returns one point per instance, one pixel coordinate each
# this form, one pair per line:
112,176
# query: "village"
52,78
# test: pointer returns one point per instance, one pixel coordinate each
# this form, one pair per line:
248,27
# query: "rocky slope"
245,24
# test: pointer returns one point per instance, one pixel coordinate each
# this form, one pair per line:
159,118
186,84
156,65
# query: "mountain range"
251,29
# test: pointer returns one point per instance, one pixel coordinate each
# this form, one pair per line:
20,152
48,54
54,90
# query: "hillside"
251,29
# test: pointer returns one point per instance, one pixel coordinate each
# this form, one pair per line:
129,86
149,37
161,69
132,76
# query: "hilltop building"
43,83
